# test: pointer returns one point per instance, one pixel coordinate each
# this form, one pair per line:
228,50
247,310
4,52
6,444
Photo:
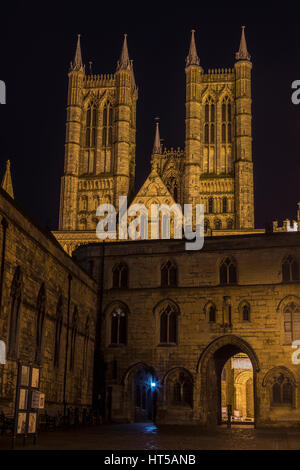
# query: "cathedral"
146,330
214,169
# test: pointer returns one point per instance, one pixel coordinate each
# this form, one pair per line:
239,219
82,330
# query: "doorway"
236,386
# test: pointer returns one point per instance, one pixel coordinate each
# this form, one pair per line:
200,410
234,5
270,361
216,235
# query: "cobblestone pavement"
150,437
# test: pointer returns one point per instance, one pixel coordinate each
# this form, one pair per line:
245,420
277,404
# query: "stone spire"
77,65
7,181
124,63
157,144
243,53
192,58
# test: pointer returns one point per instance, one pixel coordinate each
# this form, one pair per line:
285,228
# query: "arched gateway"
139,383
209,368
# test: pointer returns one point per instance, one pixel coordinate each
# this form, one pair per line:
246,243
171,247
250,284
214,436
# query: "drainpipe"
67,347
4,226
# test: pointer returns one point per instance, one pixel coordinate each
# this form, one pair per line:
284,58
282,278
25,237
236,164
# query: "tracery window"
169,275
120,276
291,322
228,272
168,325
209,135
290,270
180,389
90,137
282,390
226,121
107,125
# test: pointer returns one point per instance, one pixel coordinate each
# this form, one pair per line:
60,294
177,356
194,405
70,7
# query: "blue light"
153,384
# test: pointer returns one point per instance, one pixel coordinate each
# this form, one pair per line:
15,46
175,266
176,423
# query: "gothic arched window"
91,126
107,125
58,329
40,318
290,270
206,225
218,224
245,311
225,205
168,325
180,388
16,298
228,272
120,276
74,328
86,344
282,390
291,322
209,134
210,205
230,224
212,314
169,275
118,327
226,121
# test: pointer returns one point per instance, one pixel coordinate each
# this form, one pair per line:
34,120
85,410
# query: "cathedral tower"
218,169
100,143
244,194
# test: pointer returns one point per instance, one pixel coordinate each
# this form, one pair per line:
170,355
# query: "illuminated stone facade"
44,295
174,318
215,168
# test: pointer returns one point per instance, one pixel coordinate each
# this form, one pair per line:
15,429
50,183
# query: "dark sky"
37,42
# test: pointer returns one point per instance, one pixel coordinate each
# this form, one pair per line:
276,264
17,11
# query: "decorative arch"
173,370
275,371
115,304
244,304
209,310
120,274
281,385
224,341
166,301
286,301
166,314
179,387
134,368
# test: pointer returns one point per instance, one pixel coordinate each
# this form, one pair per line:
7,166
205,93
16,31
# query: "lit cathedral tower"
99,148
218,145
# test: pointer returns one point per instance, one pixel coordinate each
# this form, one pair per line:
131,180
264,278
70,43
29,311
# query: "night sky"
37,43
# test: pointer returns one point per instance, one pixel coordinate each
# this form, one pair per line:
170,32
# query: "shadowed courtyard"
147,436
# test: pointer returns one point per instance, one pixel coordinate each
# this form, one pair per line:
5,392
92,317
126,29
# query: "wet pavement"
147,436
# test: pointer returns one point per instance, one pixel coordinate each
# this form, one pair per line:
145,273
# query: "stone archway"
139,393
210,366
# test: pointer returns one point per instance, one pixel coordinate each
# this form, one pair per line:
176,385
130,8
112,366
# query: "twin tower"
214,169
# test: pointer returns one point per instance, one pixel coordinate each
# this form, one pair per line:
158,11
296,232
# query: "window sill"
167,345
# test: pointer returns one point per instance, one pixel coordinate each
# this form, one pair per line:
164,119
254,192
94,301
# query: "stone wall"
199,342
42,261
